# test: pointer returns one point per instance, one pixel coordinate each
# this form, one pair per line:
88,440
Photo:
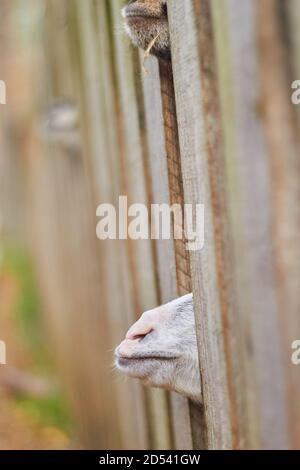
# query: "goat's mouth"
126,361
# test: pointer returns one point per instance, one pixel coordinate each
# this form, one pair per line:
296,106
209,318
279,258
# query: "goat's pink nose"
139,330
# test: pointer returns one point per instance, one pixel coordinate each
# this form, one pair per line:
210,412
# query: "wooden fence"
217,128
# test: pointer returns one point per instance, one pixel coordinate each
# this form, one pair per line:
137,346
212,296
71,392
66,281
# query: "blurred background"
58,389
71,137
85,122
35,413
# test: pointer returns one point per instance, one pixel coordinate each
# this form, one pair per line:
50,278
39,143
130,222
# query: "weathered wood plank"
145,292
176,190
279,67
247,166
290,249
102,133
166,259
68,262
211,302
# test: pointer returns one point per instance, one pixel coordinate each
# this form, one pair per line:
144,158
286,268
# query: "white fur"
161,349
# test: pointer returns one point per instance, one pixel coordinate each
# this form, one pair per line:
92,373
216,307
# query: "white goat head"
160,349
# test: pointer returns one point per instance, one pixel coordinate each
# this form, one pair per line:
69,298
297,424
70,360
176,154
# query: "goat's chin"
163,373
191,391
150,370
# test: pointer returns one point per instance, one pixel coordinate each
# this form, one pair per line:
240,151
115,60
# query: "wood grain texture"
202,173
182,259
177,197
68,263
248,168
142,255
106,175
165,253
279,58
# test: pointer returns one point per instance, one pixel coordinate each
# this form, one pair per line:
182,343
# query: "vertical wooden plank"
289,257
69,263
138,184
101,128
279,67
182,260
197,116
159,174
247,166
166,260
12,191
175,178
